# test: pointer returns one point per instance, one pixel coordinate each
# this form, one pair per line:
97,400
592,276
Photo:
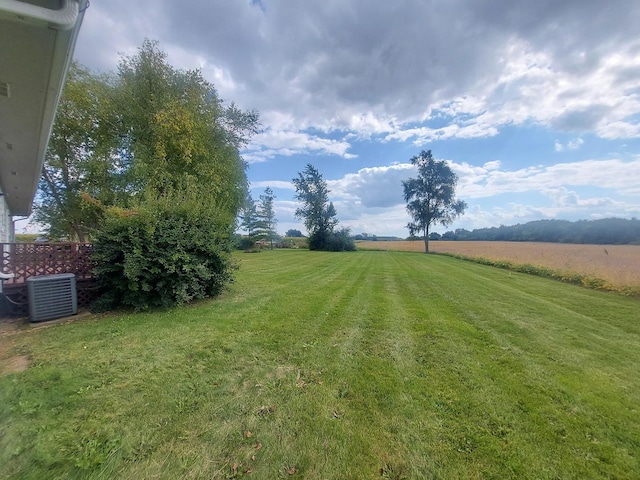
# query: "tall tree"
249,215
180,136
187,183
266,216
79,160
431,196
317,213
149,133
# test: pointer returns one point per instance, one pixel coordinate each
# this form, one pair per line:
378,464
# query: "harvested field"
617,264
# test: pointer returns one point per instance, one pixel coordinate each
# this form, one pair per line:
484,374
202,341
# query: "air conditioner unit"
52,296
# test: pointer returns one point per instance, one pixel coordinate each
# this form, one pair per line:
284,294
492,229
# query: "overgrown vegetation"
147,163
144,258
317,365
26,237
335,241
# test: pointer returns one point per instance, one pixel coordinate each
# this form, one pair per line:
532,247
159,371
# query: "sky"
535,105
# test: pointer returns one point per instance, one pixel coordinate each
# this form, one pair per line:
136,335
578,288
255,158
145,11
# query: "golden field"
617,264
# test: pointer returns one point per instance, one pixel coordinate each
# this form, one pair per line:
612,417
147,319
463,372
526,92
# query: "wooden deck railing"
26,260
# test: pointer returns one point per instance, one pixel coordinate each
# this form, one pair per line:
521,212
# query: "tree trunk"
426,240
79,233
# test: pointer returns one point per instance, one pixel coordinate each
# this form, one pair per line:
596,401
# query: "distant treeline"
375,238
617,231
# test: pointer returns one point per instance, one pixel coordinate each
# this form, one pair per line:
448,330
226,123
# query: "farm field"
617,264
315,365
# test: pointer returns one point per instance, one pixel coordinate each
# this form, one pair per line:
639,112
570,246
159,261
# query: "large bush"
161,256
336,241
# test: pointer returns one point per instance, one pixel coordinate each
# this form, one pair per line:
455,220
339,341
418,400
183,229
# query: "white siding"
6,233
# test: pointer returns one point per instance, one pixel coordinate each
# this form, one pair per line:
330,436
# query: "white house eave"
39,47
63,18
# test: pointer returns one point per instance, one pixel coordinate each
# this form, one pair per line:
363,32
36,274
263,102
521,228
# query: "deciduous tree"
171,178
179,135
79,159
431,196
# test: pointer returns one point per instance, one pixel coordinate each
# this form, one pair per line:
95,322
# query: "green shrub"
338,241
162,256
245,243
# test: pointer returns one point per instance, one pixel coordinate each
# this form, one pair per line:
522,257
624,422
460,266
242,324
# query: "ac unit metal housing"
52,296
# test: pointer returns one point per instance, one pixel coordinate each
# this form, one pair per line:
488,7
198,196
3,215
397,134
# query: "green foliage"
162,255
159,142
26,237
293,233
177,132
431,196
249,215
336,241
79,159
266,217
245,243
148,132
318,214
297,242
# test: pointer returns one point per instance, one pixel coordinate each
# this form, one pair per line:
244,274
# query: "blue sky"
536,105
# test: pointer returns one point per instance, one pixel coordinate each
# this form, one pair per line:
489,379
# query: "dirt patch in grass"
15,364
13,328
10,363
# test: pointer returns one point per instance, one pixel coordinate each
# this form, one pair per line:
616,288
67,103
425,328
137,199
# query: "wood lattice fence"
25,260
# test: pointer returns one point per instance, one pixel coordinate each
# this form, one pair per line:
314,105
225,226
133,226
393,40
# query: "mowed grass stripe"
344,365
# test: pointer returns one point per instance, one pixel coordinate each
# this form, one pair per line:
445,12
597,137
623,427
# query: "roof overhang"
37,38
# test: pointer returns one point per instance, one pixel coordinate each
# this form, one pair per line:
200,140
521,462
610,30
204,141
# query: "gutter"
64,18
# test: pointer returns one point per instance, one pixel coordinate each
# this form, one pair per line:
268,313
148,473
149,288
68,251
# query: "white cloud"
480,182
573,144
284,185
326,75
286,143
375,187
373,196
387,68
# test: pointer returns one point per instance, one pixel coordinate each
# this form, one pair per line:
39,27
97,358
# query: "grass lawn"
337,365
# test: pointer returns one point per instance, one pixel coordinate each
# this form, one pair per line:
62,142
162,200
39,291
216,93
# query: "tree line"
430,199
316,211
606,231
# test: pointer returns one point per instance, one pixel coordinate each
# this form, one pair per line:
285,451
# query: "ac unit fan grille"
52,296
